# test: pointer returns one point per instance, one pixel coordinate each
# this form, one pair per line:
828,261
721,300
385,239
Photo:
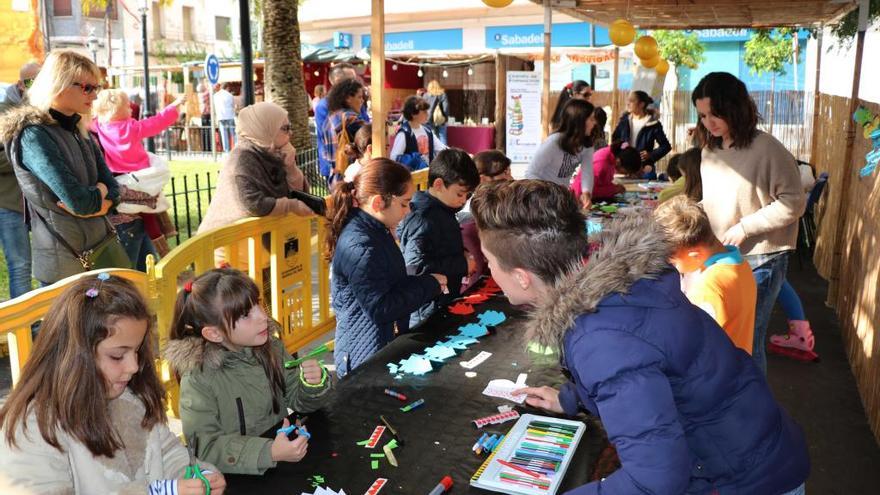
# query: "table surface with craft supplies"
436,438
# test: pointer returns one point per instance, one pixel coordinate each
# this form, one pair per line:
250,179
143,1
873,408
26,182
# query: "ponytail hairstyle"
571,90
362,139
628,158
219,298
601,118
379,177
61,383
644,99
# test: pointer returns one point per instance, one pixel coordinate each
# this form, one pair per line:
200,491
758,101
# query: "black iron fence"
190,195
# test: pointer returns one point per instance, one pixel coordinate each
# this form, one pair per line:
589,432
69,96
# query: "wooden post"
186,93
615,106
848,169
817,99
377,77
545,87
500,101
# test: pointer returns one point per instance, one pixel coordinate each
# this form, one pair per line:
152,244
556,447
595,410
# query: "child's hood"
631,248
190,353
15,120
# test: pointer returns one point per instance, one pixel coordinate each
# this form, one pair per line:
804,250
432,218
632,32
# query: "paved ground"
822,397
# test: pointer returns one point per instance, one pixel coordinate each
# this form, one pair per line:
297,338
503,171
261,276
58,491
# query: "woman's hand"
197,486
287,450
441,279
311,371
734,236
586,201
546,398
105,207
180,100
471,264
644,155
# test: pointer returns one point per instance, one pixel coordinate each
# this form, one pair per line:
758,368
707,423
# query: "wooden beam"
814,146
615,105
500,101
545,87
377,77
849,170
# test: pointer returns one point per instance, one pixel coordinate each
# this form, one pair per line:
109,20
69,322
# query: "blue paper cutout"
492,318
439,353
473,330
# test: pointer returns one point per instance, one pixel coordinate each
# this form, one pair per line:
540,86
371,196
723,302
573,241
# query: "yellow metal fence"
284,256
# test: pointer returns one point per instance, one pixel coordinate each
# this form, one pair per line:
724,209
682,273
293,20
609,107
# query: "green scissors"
193,471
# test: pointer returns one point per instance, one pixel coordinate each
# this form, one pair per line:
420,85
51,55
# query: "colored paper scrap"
376,486
476,360
377,456
374,464
439,353
537,348
493,318
502,388
473,330
460,342
392,368
363,443
392,444
415,365
389,455
461,309
477,298
374,438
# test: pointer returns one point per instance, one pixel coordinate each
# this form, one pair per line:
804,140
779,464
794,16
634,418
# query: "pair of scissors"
194,471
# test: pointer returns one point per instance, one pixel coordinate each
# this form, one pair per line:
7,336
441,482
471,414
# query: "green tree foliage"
680,48
845,30
769,50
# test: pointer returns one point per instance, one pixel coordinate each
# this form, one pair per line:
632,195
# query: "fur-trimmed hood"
15,120
631,248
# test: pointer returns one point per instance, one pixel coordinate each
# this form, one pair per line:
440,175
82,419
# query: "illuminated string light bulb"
470,71
393,66
420,73
317,73
445,73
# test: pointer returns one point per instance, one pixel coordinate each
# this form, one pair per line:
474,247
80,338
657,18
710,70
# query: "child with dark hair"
87,415
344,103
492,165
360,151
640,127
227,353
575,90
414,144
371,291
430,237
618,158
688,181
686,410
723,286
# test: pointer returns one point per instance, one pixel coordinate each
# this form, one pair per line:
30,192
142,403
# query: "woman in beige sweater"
751,189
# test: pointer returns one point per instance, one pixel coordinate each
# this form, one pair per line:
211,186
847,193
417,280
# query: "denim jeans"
441,133
769,278
16,244
227,134
137,243
790,302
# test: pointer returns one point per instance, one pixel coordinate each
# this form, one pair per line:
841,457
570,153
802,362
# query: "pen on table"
517,468
392,429
395,394
444,485
479,442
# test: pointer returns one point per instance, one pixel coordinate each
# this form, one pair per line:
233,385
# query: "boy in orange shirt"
723,284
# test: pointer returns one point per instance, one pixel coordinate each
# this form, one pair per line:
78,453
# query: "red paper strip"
374,438
461,309
376,486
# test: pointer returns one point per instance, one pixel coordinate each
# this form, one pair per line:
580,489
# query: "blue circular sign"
212,68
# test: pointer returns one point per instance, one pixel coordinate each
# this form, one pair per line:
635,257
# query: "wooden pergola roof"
704,14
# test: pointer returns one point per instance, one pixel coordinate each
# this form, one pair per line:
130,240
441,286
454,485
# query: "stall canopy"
703,14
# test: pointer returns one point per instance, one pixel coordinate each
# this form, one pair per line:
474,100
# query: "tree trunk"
284,70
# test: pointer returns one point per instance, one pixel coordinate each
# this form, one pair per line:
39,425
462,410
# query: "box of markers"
533,458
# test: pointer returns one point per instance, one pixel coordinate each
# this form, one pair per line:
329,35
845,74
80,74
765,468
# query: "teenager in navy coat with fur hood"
686,410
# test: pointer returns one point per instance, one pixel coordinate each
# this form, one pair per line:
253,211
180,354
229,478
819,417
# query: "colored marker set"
534,457
487,443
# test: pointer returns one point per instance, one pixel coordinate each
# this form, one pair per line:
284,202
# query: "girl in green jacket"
233,383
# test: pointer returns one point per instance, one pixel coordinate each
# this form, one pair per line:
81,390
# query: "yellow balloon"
646,48
497,4
650,63
621,32
663,67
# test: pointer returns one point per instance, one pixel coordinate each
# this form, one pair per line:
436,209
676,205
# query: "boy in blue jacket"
686,410
430,236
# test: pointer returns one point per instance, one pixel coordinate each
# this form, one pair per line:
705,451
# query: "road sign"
212,68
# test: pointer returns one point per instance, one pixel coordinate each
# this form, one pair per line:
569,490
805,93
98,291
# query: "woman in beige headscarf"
260,171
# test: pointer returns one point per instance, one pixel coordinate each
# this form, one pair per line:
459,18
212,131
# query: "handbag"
315,203
108,253
438,117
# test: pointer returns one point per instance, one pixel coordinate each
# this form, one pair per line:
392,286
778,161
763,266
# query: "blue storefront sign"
438,39
734,34
342,40
568,34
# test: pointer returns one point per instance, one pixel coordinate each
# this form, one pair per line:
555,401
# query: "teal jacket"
212,378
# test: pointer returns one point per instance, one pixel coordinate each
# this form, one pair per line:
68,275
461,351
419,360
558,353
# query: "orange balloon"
651,62
621,32
497,4
663,67
646,48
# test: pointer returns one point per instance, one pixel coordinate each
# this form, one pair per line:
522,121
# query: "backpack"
438,117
